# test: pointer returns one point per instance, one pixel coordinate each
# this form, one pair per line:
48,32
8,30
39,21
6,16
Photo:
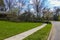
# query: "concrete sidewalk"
25,34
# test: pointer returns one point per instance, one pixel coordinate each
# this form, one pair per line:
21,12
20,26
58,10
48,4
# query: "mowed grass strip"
8,29
41,34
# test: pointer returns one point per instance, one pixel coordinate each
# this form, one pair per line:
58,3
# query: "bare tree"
21,5
36,3
9,3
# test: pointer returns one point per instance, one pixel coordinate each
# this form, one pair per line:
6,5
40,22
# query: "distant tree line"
1,3
47,15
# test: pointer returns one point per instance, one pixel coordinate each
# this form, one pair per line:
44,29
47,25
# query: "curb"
51,33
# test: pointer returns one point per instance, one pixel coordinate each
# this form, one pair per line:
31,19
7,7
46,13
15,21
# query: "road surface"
55,35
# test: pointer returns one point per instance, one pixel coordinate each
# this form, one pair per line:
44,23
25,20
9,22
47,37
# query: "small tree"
12,14
47,15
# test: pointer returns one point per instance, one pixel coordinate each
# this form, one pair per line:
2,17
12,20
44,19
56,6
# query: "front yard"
8,29
41,34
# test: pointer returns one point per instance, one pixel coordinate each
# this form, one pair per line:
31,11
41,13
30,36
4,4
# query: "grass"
8,29
41,34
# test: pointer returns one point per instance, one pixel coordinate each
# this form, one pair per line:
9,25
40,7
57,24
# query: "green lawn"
8,29
41,34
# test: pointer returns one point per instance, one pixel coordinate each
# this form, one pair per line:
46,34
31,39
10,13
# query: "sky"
53,3
45,3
